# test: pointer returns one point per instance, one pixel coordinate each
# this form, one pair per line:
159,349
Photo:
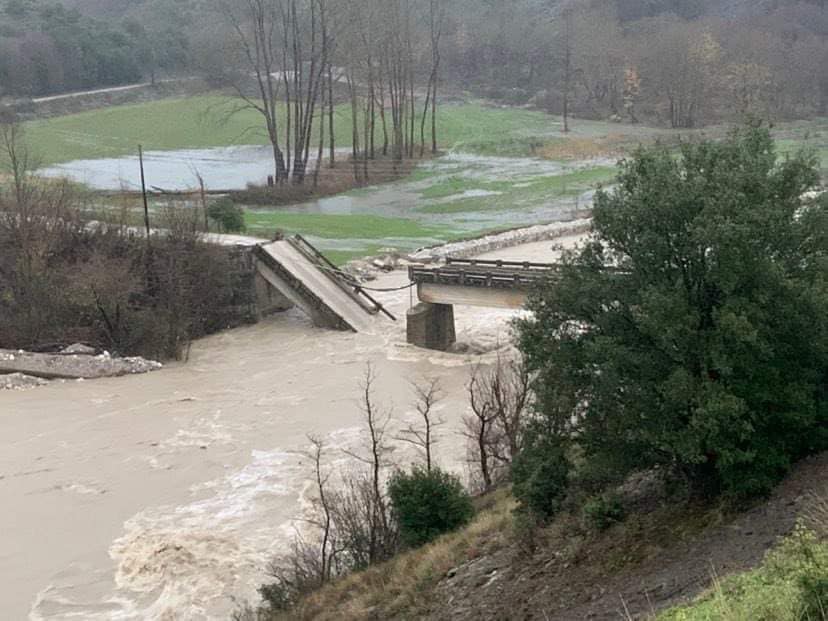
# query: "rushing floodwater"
164,496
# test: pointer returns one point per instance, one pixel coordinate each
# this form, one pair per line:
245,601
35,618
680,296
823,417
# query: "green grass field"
204,121
347,237
338,226
442,200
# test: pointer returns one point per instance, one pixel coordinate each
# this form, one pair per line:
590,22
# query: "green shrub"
603,511
227,215
525,526
428,504
540,476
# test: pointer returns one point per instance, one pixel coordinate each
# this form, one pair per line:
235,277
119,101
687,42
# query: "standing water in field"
454,196
222,168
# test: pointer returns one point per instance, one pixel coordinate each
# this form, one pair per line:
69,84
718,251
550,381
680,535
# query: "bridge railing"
349,286
481,276
497,263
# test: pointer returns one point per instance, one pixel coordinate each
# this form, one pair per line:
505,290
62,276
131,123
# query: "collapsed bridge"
301,276
297,274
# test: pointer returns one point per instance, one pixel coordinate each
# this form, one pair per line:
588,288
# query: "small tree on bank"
428,503
691,331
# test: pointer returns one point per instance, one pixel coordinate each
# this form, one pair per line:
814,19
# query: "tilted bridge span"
301,276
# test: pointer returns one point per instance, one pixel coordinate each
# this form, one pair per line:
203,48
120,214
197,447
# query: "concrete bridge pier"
431,326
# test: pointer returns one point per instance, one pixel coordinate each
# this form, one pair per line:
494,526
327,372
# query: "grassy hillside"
742,566
780,588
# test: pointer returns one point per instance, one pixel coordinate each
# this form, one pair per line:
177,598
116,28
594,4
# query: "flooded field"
175,488
457,195
223,168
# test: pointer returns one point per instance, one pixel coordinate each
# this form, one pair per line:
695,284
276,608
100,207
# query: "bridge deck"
308,282
500,284
491,275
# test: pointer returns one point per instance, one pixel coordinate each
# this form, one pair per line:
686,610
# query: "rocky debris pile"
367,269
75,362
19,381
79,348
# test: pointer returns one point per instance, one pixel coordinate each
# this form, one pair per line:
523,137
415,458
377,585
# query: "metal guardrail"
352,288
513,265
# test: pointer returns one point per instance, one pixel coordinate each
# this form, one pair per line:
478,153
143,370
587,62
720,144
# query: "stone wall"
507,239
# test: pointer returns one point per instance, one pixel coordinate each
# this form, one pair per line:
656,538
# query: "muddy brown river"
164,496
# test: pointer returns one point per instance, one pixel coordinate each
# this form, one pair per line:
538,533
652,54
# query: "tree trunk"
331,135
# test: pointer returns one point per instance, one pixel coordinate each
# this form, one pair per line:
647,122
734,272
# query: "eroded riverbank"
164,496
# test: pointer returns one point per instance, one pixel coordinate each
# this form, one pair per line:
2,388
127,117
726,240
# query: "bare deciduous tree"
254,25
381,535
498,398
423,435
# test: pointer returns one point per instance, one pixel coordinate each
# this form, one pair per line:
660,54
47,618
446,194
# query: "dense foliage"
684,63
428,503
691,332
540,475
46,48
62,281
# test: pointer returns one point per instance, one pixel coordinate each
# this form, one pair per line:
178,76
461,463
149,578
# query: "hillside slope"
634,569
665,553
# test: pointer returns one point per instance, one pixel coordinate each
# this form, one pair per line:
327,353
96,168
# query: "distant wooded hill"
682,63
48,47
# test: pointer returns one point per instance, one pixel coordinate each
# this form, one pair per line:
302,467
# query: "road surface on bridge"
314,285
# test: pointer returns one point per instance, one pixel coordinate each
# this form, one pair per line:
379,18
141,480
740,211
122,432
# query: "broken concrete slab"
72,366
18,381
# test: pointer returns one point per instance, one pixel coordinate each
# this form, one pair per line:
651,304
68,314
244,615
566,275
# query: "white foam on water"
197,560
190,558
190,561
